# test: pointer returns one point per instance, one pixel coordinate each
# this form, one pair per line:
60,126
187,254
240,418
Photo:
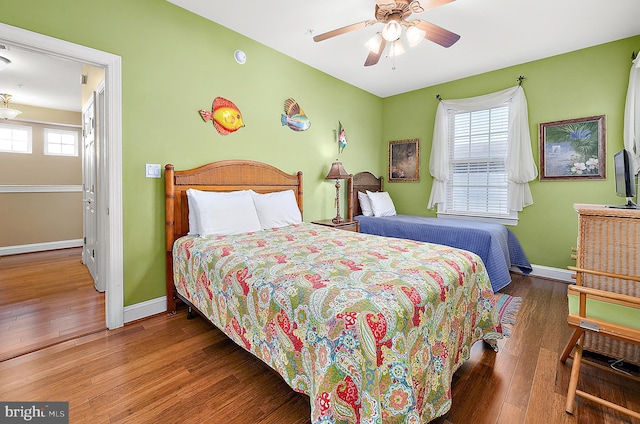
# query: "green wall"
583,83
175,63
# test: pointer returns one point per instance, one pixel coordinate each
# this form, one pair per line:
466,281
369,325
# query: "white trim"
40,188
110,213
39,247
145,309
552,273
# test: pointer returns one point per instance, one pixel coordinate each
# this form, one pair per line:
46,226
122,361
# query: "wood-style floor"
171,370
45,298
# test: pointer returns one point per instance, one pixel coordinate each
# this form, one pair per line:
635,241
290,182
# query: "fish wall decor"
225,115
341,137
294,117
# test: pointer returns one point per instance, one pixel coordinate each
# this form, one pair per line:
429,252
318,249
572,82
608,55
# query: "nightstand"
345,225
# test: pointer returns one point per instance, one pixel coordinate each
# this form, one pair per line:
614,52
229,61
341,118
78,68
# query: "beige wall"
40,217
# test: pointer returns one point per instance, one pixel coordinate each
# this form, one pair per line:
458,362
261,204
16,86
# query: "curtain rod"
519,79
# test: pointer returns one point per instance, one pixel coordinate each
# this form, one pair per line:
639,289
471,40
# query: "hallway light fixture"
5,111
4,62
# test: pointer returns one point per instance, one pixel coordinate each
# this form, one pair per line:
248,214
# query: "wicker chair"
611,315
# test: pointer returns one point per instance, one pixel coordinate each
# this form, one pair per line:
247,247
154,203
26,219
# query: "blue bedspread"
496,245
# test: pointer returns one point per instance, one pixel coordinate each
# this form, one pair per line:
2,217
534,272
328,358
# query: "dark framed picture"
573,149
404,160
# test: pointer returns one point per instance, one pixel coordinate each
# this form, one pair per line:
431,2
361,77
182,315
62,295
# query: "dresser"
609,240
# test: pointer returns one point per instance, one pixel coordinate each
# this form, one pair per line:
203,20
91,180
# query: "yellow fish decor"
225,115
294,117
341,137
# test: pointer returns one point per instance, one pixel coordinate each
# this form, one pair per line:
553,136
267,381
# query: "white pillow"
224,214
194,228
381,203
277,209
365,204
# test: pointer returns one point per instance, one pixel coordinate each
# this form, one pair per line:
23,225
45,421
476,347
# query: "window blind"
477,162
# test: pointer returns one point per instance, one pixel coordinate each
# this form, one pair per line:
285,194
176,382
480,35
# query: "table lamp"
337,172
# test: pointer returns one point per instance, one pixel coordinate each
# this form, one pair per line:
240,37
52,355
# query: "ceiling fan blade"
437,34
374,57
343,30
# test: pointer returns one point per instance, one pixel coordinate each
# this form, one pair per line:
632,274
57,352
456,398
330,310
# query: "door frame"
109,176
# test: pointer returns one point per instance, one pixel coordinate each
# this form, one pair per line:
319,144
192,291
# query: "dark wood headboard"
361,181
222,176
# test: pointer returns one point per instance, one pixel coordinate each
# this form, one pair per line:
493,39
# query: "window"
481,158
60,142
15,138
477,143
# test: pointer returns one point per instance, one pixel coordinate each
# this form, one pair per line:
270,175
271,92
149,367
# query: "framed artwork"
573,149
404,160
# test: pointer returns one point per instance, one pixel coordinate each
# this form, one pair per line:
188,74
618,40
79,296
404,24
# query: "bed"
371,329
496,245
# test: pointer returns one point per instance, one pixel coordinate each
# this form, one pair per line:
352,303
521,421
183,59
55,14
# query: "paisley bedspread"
370,328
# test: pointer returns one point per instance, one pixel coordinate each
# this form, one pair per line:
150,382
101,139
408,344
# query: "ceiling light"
4,62
391,31
374,43
5,111
415,35
396,48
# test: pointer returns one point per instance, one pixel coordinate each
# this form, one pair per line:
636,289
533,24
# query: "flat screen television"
625,179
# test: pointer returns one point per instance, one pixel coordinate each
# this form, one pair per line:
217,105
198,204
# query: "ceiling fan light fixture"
4,62
373,44
415,35
396,48
391,31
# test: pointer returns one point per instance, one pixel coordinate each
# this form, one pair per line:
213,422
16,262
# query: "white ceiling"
36,79
494,34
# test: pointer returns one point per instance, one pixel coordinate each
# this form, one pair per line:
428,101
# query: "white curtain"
520,165
632,115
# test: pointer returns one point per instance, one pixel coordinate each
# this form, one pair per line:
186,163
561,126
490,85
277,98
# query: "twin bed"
370,328
496,245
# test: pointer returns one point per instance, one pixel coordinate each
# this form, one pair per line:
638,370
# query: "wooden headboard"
222,176
361,181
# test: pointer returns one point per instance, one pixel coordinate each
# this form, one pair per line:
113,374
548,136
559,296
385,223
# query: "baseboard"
39,247
145,309
552,273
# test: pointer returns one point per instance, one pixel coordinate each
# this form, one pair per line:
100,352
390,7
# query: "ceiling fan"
394,14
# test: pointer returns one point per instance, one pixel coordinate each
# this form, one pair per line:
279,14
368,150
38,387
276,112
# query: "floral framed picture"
404,160
573,149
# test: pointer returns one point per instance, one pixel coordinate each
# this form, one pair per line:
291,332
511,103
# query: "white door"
89,178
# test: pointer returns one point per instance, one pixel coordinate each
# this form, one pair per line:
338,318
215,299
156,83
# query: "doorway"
109,164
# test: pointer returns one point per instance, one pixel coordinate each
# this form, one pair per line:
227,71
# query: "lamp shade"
337,172
415,35
374,43
391,31
8,113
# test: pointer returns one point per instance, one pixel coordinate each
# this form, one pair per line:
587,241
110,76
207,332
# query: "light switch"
152,170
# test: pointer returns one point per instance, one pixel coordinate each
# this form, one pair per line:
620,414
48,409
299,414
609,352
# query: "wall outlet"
152,170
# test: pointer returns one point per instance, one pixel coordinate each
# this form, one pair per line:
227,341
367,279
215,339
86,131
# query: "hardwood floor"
169,369
46,297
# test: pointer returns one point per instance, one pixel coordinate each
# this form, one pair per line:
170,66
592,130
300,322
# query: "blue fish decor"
294,116
341,137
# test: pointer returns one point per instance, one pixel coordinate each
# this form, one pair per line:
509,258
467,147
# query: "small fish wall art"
341,137
294,117
225,115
